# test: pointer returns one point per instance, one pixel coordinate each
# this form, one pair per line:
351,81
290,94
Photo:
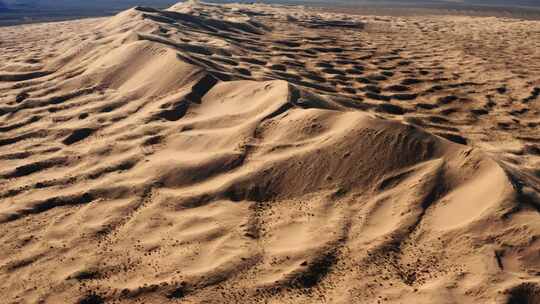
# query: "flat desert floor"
270,154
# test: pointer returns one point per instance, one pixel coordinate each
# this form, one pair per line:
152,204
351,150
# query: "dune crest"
261,154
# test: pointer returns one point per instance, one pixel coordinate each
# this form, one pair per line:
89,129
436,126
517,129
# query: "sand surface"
270,154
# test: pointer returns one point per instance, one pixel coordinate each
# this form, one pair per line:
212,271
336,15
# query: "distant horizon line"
25,14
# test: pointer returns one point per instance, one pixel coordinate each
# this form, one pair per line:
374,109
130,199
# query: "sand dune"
270,154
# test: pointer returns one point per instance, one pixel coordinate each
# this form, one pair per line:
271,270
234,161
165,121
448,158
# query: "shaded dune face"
260,154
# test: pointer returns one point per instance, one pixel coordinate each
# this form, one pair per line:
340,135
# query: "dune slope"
268,154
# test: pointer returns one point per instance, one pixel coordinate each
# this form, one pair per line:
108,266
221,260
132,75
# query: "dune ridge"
269,154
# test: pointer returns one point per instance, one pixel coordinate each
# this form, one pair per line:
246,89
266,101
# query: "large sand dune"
269,154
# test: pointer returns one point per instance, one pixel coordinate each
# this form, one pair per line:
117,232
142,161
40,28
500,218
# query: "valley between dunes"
249,153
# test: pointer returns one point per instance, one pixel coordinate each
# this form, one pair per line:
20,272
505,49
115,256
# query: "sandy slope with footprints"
268,154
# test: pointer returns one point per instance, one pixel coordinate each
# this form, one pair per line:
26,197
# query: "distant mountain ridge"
84,5
29,11
505,3
122,4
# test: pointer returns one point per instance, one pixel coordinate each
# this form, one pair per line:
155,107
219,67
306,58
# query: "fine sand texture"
270,154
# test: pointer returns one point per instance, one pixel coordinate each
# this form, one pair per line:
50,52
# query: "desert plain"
254,153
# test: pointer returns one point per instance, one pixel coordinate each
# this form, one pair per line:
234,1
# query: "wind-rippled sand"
270,154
